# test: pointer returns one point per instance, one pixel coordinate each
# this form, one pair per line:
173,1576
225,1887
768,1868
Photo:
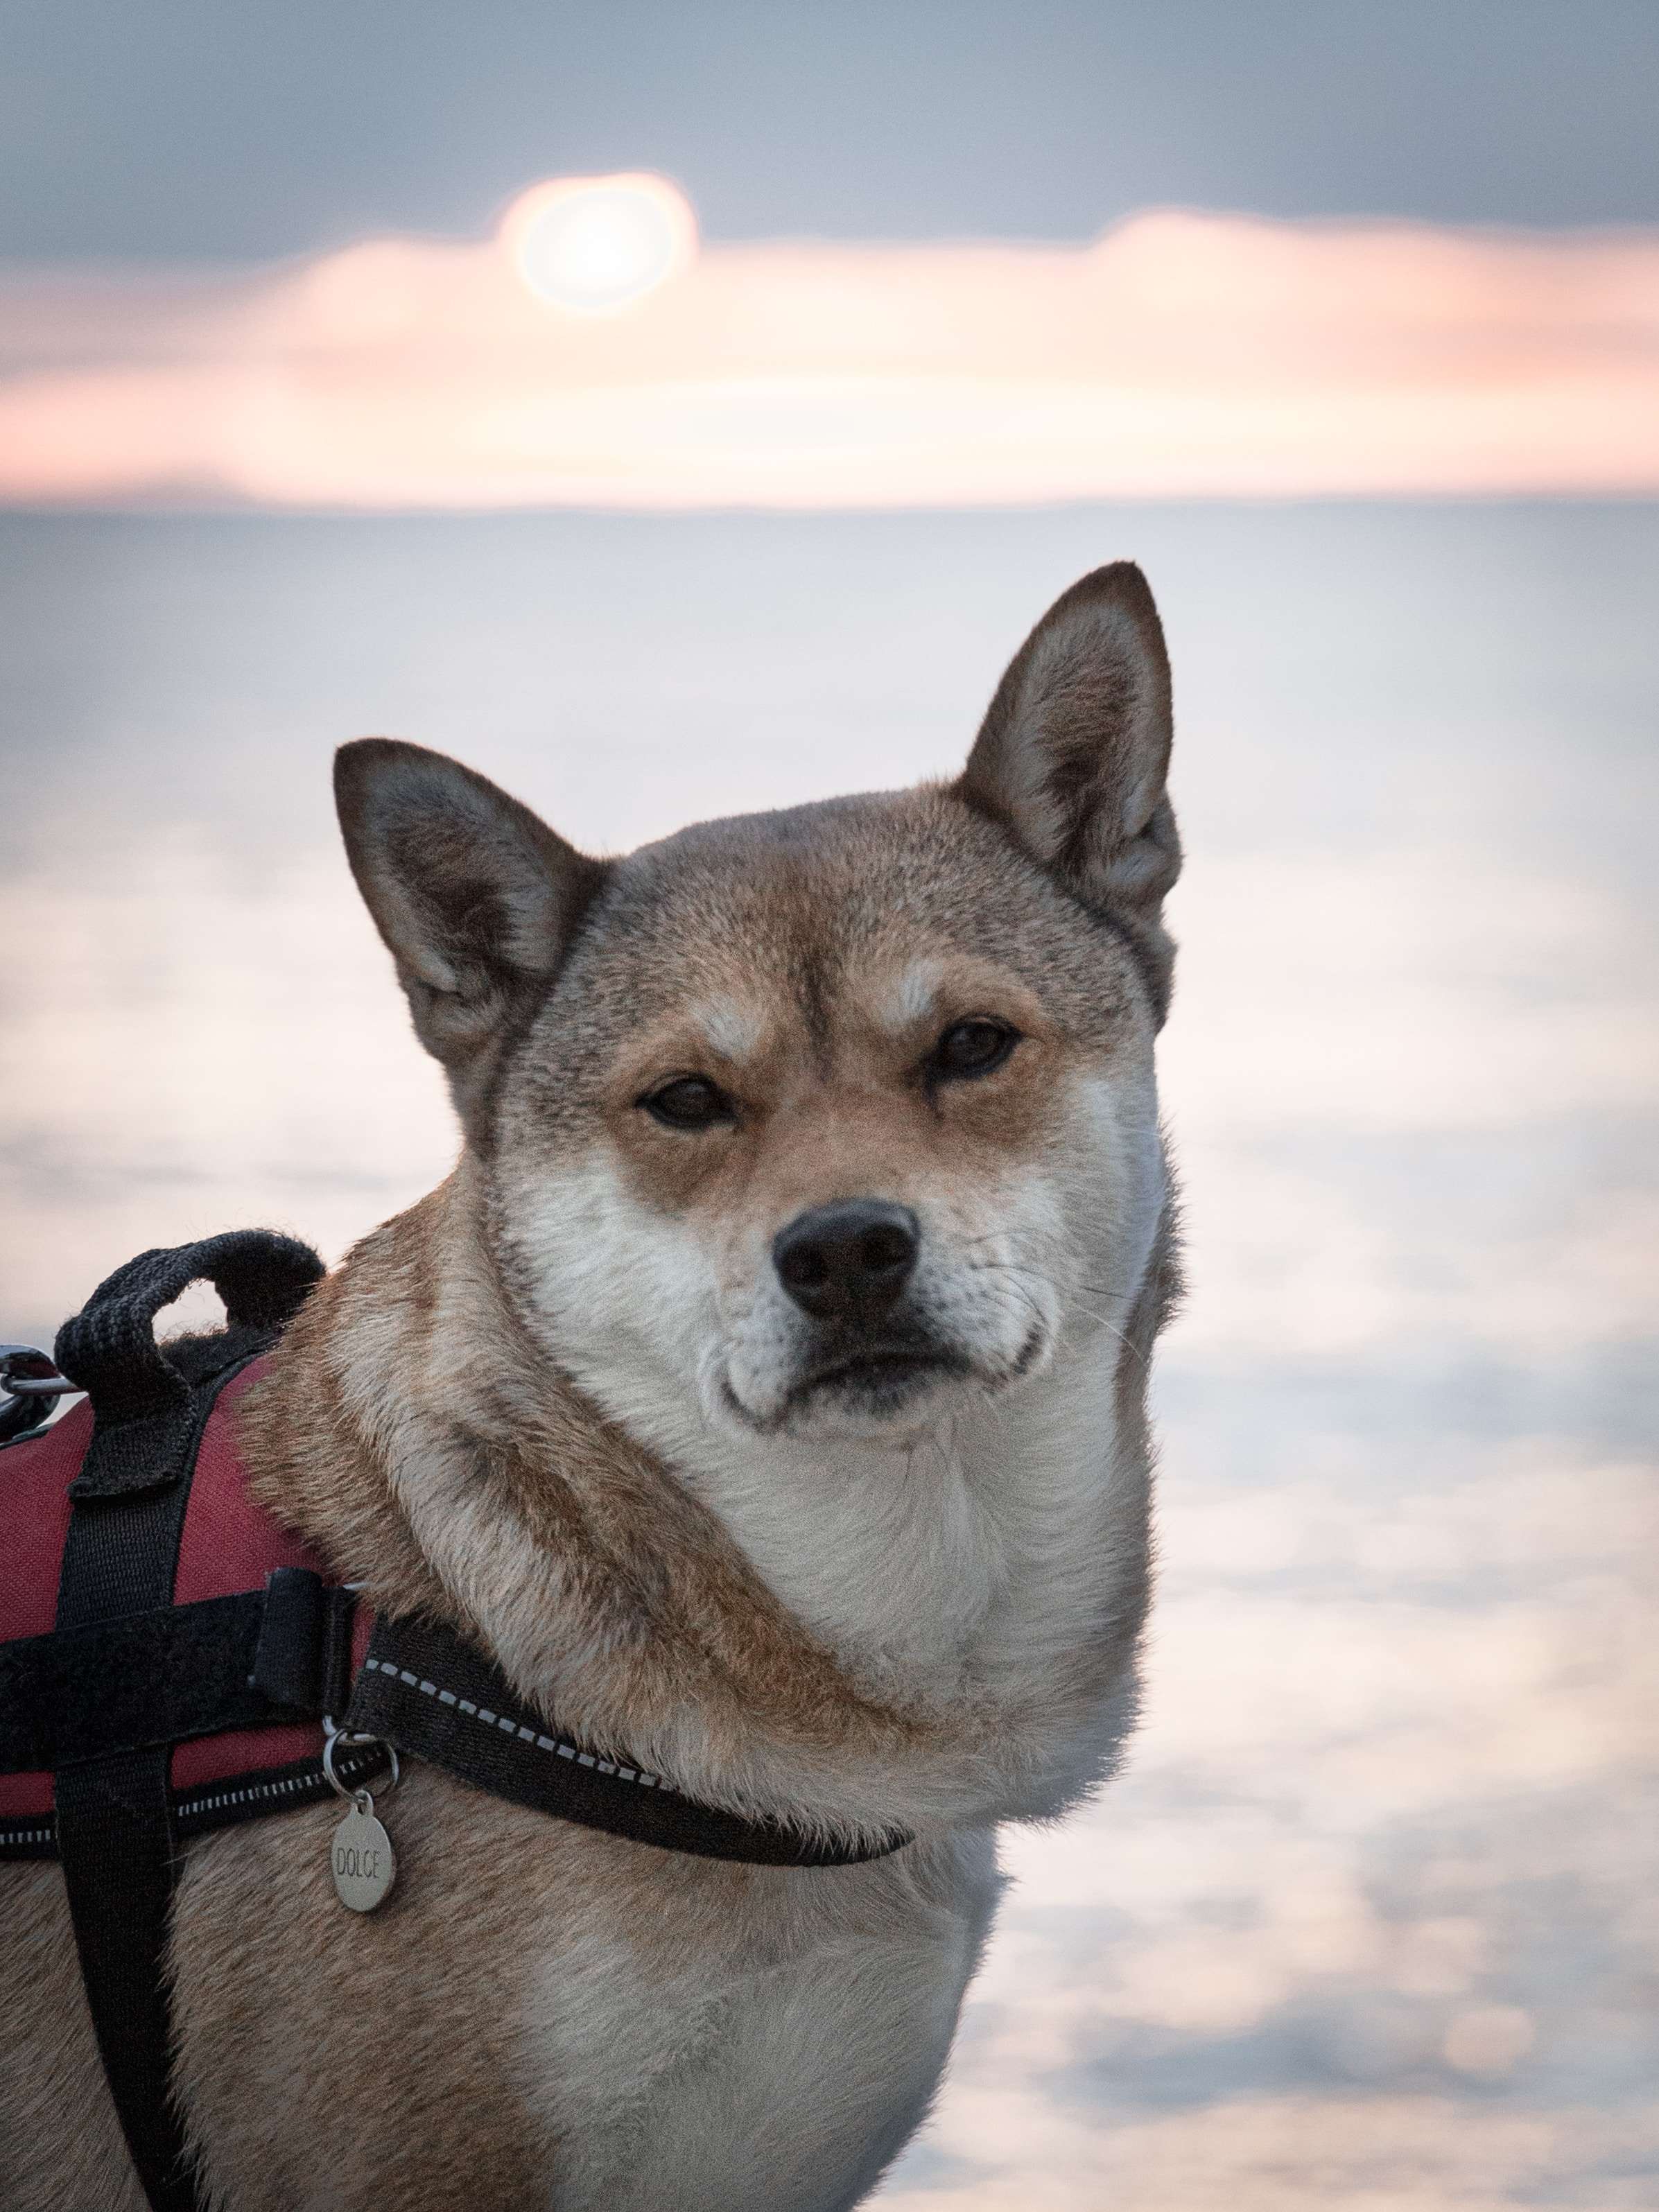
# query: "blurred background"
679,410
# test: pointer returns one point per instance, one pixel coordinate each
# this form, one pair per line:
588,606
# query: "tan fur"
565,1406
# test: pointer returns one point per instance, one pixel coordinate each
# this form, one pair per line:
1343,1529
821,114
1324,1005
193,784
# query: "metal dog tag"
361,1857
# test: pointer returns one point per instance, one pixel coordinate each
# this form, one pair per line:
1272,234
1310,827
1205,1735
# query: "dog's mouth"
877,1382
879,1376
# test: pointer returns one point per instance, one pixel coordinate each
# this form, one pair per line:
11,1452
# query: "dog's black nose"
846,1262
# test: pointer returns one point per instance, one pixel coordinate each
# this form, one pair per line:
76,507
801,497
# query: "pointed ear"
1073,753
476,897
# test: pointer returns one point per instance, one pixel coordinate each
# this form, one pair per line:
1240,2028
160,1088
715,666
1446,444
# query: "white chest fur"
968,1549
779,2058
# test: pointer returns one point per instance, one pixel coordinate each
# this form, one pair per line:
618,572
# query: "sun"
593,245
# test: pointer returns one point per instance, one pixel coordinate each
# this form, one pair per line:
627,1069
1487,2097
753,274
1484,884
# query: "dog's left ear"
1073,753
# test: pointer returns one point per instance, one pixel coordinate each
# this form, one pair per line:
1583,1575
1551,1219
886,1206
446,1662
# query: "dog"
765,1390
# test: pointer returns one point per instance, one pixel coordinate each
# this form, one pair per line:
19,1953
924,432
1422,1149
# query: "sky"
1342,320
195,132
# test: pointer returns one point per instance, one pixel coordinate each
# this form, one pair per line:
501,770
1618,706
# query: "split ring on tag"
361,1857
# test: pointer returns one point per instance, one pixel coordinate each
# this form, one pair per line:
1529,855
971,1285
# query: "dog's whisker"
1007,1267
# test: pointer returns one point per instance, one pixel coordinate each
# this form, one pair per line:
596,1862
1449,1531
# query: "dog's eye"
690,1101
973,1048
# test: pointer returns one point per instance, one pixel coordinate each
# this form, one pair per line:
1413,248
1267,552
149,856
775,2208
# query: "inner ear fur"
476,897
1073,753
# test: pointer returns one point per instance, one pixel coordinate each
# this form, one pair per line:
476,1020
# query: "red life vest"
229,1544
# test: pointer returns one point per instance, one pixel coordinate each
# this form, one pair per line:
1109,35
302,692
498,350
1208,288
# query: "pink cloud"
1181,355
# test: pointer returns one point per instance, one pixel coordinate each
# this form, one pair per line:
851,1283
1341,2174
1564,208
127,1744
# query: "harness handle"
109,1347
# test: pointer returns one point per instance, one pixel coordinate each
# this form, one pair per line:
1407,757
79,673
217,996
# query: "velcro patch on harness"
148,1678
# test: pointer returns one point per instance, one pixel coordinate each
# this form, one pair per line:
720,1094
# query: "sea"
1370,1923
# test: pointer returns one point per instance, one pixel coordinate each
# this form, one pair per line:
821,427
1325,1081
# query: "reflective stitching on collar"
488,1719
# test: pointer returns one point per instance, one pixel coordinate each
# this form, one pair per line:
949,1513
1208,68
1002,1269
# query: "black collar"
436,1698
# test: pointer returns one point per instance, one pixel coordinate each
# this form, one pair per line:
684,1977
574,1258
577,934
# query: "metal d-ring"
333,1734
27,1373
28,1383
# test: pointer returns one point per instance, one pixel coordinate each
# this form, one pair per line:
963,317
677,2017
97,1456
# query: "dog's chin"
877,1396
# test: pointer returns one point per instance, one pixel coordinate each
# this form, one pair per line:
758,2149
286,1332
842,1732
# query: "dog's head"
809,1123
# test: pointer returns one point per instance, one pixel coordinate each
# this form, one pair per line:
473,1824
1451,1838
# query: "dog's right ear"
476,897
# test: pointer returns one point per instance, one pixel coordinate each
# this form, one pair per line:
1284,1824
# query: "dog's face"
830,1116
810,1123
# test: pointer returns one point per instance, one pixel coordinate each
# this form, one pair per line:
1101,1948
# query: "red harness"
229,1545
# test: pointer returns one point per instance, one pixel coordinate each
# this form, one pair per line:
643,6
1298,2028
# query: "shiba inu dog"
765,1391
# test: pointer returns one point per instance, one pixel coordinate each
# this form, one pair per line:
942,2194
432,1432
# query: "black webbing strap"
144,1679
115,1828
436,1698
251,1660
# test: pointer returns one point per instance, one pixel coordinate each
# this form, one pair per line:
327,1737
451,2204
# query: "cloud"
1181,354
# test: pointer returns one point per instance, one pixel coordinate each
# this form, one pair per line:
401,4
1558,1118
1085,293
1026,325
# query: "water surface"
1369,1921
